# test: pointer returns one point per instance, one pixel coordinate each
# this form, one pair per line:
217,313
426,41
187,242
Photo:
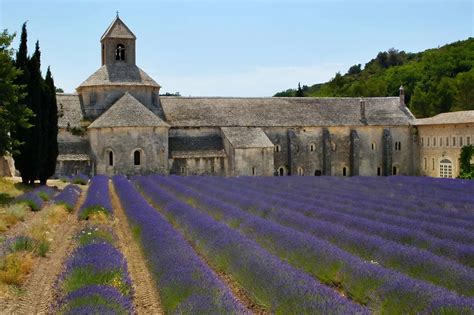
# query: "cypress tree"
50,128
23,155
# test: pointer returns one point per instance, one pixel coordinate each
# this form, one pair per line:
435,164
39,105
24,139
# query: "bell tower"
118,44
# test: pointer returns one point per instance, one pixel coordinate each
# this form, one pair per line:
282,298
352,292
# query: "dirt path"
146,298
39,293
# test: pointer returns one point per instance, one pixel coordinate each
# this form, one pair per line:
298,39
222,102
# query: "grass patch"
94,212
81,277
15,267
11,215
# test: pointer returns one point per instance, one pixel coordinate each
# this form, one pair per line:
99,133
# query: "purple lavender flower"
284,288
185,283
97,199
68,197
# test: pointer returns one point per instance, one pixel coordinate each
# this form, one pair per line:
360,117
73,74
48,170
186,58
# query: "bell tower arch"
118,44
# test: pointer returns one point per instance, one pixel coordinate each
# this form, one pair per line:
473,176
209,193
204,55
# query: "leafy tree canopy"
435,80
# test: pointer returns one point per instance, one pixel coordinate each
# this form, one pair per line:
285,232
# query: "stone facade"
440,141
118,124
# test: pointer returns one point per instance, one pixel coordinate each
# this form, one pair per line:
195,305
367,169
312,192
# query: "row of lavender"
304,243
95,279
277,285
449,241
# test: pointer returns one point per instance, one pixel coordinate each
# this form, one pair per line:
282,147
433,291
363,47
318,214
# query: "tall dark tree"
24,154
36,158
50,128
299,91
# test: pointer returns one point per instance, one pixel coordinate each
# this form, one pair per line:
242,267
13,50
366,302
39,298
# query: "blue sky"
235,48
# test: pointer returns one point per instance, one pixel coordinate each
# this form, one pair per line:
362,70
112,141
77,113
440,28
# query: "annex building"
118,123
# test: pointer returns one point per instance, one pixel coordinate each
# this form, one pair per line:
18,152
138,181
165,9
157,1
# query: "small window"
277,148
447,141
428,142
394,170
433,163
120,52
136,157
460,141
111,158
379,171
399,146
312,147
468,141
440,141
254,171
300,171
422,141
426,163
454,141
374,146
434,142
182,170
317,173
281,171
344,171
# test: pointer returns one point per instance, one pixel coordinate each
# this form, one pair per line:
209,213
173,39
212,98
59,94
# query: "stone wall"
442,142
97,99
150,142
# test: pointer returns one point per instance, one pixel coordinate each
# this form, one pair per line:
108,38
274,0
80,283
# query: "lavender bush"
97,199
185,284
368,283
68,197
36,198
280,286
95,279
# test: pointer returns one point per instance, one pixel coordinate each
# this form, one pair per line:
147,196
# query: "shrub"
80,179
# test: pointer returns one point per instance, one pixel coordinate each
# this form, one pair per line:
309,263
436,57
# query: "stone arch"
138,157
120,52
110,157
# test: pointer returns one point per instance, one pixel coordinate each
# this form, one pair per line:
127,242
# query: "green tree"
13,114
464,93
466,168
299,91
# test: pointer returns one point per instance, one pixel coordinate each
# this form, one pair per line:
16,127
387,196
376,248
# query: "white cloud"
260,81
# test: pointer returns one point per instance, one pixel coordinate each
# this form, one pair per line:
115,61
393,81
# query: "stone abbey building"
118,123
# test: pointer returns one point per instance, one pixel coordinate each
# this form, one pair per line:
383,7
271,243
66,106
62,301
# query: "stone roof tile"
245,137
118,29
128,112
461,117
69,110
284,111
119,74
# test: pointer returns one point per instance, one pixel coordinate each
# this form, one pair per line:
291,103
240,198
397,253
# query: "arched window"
111,158
394,170
374,146
344,171
300,171
317,173
445,168
312,147
254,171
136,157
277,148
281,171
120,52
379,171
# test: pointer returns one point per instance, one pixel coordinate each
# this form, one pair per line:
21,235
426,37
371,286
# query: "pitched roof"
119,74
461,117
69,110
245,137
73,157
282,111
198,154
118,29
128,112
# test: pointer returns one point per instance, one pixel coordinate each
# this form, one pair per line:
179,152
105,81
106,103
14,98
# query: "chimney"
362,111
402,96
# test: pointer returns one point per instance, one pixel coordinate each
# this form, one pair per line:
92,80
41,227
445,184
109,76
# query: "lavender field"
293,245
